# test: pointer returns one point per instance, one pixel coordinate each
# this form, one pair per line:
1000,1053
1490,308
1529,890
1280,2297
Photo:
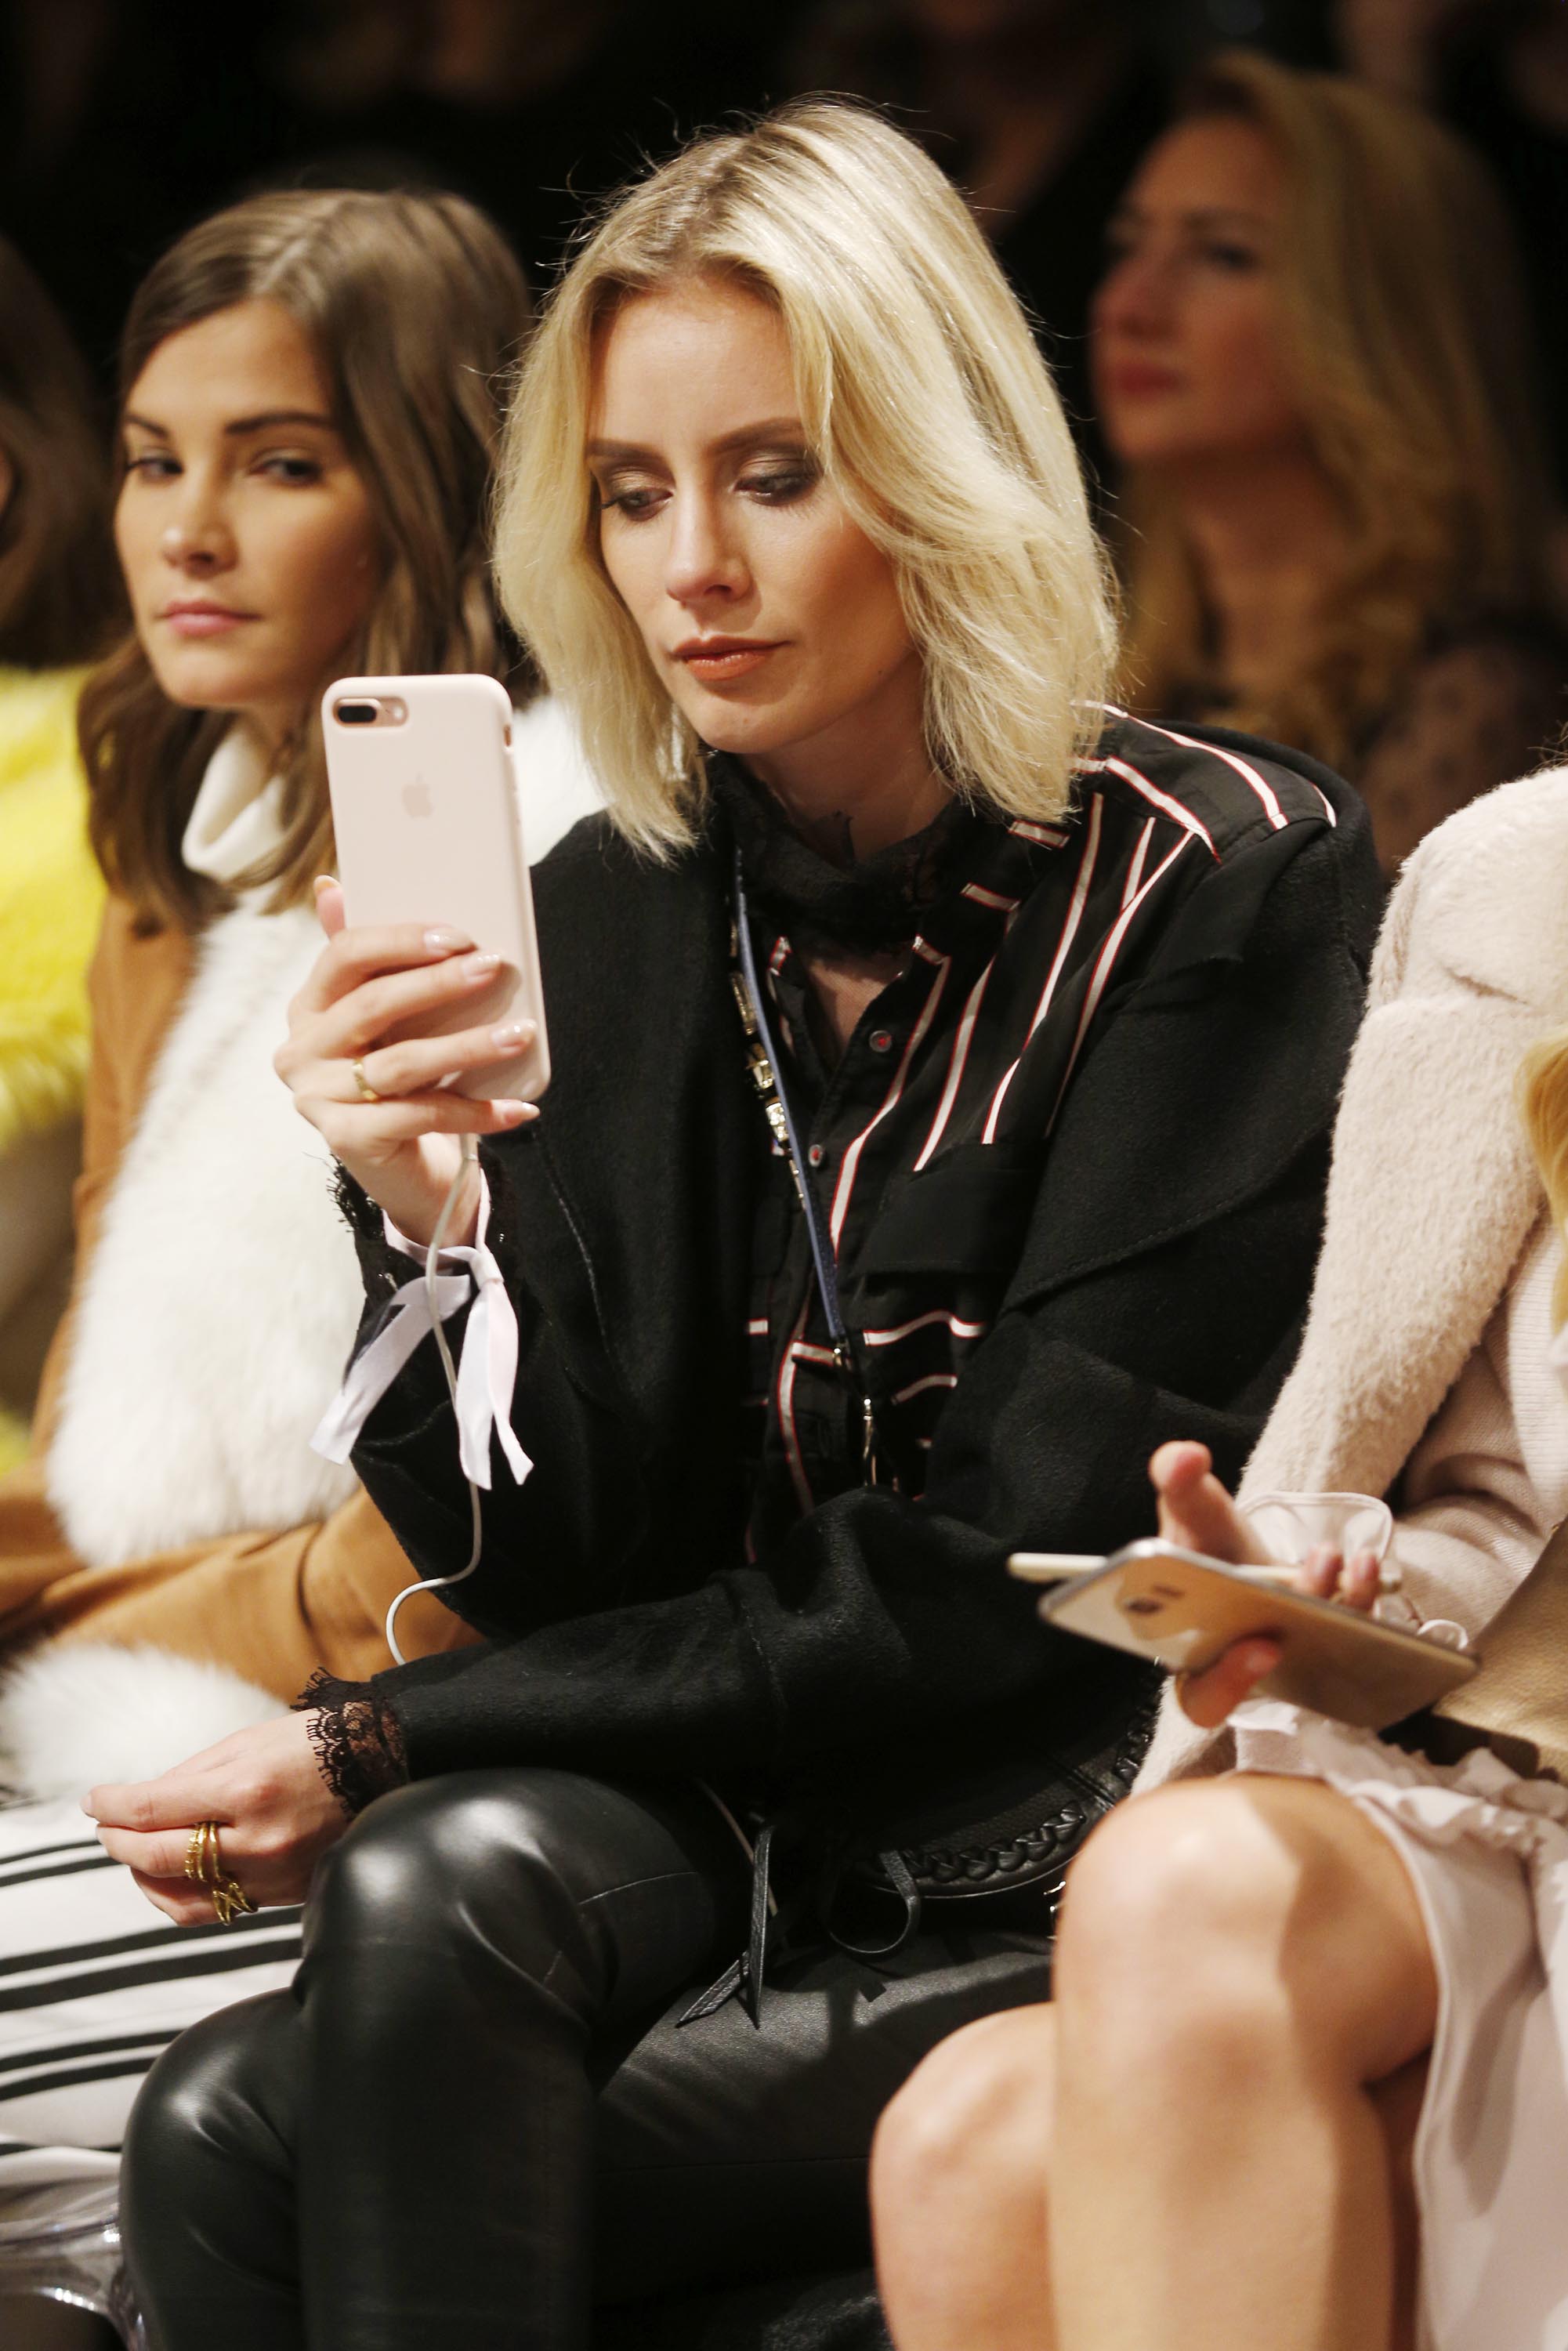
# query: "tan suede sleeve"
274,1605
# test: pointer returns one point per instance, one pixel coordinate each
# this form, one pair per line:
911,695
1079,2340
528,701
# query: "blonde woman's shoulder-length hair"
1543,1103
1404,326
925,403
415,308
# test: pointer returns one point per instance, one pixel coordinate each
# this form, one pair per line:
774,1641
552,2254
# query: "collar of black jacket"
873,905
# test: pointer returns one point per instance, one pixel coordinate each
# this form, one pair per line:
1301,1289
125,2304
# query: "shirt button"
881,1041
816,1155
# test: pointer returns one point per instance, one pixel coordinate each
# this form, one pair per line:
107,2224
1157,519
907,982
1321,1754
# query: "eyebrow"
244,424
1198,217
745,436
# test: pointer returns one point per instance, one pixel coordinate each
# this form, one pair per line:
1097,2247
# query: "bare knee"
974,2115
1208,1918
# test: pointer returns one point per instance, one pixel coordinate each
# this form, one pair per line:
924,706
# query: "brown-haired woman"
58,594
1312,366
307,411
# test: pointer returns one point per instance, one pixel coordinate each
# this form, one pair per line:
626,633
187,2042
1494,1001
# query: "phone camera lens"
356,714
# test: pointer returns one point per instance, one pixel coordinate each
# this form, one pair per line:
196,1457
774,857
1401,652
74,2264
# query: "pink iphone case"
425,806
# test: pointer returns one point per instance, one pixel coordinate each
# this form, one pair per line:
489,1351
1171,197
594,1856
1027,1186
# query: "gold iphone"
1179,1610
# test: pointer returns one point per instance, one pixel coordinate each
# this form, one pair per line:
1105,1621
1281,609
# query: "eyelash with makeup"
294,471
1122,245
777,484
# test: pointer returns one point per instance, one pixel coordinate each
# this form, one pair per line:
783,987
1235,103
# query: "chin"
1156,442
211,686
730,727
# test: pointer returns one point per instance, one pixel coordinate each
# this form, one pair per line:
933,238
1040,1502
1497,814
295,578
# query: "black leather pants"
475,2099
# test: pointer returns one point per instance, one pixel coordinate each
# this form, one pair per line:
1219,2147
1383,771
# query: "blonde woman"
792,522
307,420
1311,366
1307,2044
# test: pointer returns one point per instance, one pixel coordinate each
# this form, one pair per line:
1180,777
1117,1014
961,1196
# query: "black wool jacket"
1156,1290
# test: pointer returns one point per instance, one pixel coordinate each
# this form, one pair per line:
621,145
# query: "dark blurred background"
121,121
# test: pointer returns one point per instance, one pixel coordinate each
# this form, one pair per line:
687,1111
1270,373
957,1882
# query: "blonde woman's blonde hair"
1404,327
923,398
1544,1099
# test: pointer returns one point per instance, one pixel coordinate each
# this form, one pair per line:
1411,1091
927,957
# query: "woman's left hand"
1197,1513
274,1814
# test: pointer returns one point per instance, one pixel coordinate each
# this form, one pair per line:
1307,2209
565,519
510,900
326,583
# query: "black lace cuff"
357,1738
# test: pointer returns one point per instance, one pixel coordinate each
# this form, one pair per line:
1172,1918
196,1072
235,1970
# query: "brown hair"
59,589
1405,328
413,303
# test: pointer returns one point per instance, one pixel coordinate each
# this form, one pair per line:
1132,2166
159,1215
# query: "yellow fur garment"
51,897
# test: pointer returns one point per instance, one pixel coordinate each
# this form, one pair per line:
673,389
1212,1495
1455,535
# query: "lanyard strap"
762,1062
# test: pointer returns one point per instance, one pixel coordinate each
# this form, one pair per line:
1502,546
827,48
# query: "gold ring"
203,1864
196,1851
367,1091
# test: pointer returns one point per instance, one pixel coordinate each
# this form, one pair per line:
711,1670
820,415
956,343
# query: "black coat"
1159,1293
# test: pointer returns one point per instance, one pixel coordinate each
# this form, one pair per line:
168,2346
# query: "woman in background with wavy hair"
1312,366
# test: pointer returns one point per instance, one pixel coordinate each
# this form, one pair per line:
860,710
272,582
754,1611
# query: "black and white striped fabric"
94,1983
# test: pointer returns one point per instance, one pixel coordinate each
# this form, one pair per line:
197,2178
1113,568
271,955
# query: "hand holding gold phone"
1182,1611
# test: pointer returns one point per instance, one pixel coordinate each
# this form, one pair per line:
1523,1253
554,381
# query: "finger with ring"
203,1864
367,1092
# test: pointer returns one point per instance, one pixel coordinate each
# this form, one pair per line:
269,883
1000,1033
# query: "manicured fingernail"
480,966
323,881
443,940
515,1112
513,1032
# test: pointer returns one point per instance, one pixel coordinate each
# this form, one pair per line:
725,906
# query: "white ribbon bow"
486,1371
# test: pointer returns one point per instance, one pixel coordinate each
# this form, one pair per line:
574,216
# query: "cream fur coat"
1434,1198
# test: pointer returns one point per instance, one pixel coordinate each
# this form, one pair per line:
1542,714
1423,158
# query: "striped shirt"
925,1141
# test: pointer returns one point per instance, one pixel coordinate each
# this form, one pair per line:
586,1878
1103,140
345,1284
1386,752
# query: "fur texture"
224,1294
1434,1192
51,895
78,1714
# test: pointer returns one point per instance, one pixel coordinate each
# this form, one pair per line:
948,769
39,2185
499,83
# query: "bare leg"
959,2189
1242,1961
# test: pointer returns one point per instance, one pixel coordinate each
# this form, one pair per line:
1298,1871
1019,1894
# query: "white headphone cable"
468,1157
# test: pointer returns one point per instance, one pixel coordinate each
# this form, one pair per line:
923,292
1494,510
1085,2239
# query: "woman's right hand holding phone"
1197,1514
376,1095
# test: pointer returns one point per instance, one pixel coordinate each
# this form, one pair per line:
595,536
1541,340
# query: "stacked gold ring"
204,1866
367,1091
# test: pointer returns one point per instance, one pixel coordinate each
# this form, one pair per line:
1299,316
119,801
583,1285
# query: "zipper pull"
871,1470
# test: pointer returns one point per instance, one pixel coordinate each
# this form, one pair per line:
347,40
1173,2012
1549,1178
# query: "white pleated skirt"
1487,1852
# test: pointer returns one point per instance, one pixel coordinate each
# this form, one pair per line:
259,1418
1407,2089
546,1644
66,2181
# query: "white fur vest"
223,1296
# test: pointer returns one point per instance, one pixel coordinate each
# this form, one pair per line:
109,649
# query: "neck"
1269,539
863,783
270,730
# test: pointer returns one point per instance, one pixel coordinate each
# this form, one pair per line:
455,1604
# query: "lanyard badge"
762,1065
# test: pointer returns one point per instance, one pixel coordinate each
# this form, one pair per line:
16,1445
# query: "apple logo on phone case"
416,797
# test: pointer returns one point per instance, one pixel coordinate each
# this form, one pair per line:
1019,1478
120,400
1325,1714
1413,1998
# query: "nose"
703,558
1136,296
196,536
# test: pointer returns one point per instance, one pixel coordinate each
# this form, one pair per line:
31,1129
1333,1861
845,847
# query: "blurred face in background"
245,535
769,616
1187,335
